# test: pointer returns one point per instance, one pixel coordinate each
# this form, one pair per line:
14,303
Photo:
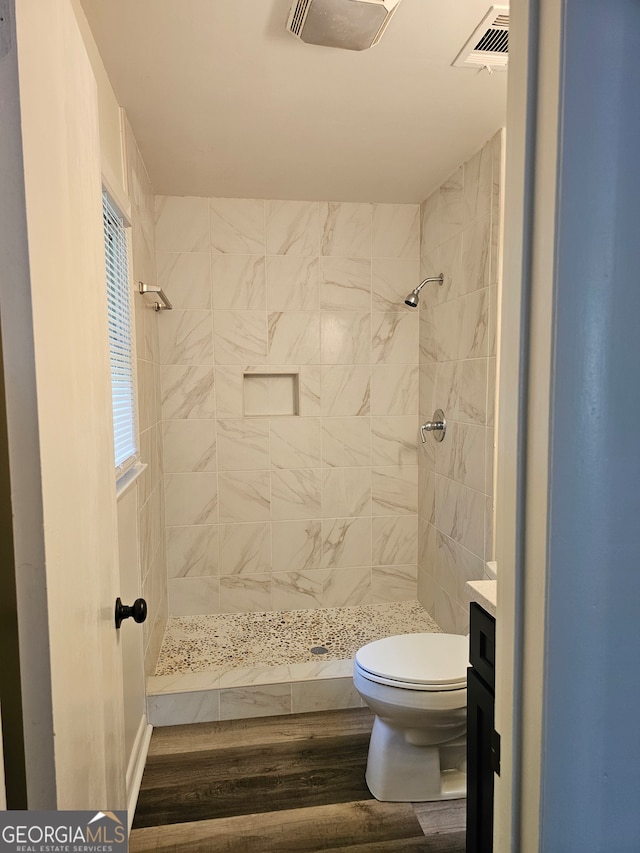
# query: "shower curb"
259,692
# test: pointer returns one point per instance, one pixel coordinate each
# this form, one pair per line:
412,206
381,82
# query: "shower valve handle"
438,426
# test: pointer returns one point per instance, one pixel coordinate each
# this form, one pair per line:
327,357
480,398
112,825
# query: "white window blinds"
120,337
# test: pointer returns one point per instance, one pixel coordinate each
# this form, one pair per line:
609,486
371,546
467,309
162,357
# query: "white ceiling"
224,102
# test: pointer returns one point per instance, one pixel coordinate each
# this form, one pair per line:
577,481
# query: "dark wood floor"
279,785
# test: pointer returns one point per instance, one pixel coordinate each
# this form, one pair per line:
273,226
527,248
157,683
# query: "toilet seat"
428,662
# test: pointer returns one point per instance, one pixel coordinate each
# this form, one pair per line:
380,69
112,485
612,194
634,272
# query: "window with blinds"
123,386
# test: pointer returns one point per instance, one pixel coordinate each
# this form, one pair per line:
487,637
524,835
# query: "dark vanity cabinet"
483,744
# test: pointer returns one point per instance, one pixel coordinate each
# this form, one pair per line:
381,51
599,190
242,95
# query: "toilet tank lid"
436,659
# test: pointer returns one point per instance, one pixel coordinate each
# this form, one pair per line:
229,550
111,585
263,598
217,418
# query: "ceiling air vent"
298,14
488,45
349,24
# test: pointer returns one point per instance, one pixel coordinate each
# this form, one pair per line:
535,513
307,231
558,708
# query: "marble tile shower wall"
317,509
151,538
460,236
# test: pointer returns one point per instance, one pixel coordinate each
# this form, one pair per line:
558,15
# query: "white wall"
109,113
125,176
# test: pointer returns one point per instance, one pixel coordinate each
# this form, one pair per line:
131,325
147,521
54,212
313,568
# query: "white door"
52,308
137,731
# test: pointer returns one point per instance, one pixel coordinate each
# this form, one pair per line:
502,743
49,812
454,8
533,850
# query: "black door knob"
138,611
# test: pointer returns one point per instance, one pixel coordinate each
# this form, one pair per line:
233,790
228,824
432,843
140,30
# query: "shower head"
413,298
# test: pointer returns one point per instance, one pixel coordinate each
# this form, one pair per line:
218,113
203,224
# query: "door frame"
11,725
26,695
567,476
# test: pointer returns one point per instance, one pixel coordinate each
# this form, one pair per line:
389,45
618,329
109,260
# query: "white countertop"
484,593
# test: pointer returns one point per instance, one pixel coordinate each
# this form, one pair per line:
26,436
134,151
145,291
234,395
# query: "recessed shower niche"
270,394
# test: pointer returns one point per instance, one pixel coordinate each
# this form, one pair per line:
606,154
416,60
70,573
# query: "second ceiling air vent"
488,45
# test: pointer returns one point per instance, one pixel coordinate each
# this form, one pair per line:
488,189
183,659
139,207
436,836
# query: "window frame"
128,463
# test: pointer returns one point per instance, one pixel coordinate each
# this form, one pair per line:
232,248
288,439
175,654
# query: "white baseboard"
135,768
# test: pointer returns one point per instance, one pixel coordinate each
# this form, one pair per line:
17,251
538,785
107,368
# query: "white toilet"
416,685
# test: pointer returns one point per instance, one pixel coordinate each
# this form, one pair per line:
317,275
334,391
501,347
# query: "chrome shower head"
413,298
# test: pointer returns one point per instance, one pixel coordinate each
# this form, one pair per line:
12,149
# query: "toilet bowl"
416,685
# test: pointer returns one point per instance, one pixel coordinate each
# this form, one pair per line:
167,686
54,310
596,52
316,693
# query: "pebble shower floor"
233,640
